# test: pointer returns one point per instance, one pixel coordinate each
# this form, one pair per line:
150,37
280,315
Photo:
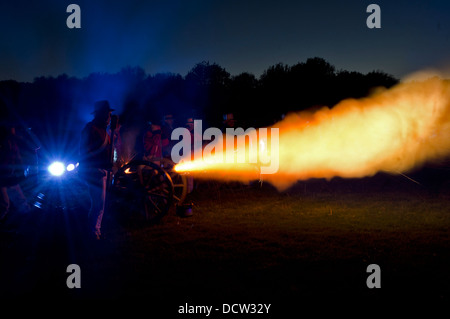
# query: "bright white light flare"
56,168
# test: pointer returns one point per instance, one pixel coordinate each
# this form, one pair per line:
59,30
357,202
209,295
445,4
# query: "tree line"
206,92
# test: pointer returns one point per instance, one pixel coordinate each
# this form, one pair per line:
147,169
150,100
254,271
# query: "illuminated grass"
249,243
257,242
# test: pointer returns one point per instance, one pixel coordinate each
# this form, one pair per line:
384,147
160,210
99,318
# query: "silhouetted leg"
97,193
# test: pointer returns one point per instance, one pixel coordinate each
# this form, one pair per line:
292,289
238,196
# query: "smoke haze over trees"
54,105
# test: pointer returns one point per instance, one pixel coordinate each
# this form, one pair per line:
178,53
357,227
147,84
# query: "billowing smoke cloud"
390,131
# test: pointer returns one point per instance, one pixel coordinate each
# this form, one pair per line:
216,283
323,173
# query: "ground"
247,243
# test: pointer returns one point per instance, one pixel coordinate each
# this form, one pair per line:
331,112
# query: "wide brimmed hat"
102,107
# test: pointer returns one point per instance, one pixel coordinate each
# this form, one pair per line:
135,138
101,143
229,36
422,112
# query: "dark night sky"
241,36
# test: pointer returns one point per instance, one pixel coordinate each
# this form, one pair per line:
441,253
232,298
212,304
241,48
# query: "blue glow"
56,168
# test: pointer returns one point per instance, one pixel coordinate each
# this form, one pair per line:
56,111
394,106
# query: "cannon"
147,189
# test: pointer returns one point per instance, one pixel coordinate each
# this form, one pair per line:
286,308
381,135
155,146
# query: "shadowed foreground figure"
10,169
95,161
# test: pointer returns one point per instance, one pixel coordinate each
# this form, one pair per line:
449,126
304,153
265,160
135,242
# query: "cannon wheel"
179,181
144,187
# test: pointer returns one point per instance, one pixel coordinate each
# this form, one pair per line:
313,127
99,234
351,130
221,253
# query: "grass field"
244,244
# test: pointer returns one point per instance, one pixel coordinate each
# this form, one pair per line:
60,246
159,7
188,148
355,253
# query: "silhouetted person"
228,121
190,126
119,157
166,135
11,171
95,161
152,143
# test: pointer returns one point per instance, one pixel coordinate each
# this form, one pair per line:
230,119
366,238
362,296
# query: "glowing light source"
56,168
70,167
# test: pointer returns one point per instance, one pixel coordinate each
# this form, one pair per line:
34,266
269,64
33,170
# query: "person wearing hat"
95,162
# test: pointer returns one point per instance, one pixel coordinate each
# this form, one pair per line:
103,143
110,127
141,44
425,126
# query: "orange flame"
390,131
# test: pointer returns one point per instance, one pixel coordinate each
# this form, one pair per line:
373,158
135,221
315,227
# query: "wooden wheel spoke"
154,205
157,195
